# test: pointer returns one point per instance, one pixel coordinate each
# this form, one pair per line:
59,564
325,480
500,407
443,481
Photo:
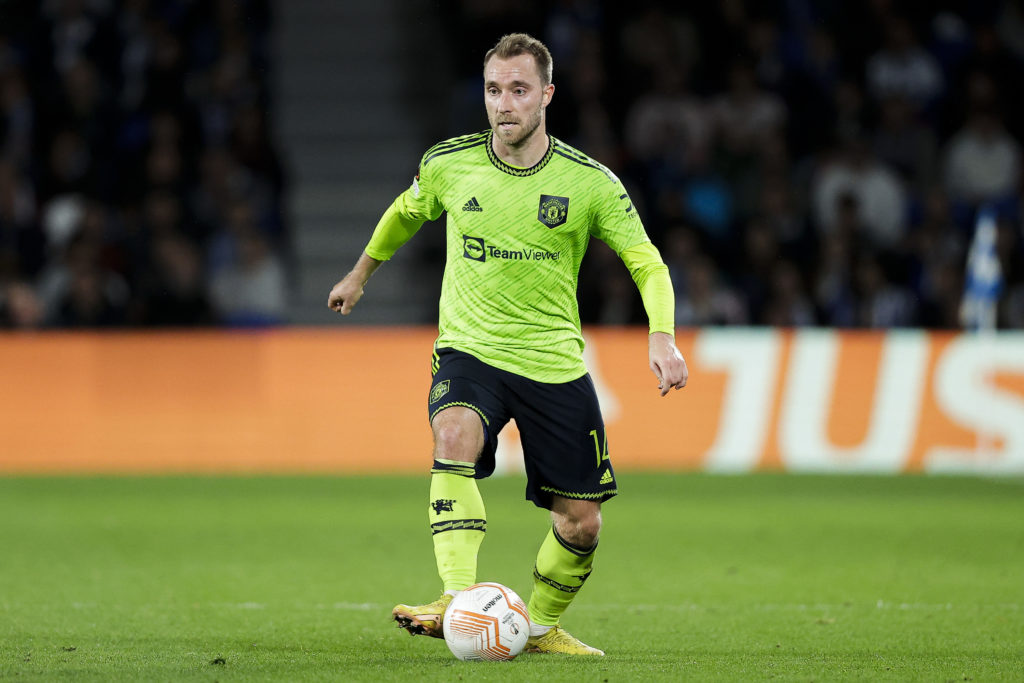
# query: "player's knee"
457,437
589,530
580,526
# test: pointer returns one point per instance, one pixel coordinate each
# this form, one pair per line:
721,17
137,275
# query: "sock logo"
443,505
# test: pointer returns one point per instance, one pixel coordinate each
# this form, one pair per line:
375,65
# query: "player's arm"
399,223
393,230
652,279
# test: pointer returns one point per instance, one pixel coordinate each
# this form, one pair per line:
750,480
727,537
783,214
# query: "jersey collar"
515,170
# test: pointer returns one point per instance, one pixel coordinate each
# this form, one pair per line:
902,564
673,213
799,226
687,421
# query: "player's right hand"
345,295
349,290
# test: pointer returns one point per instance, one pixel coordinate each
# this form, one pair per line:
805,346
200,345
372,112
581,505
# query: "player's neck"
527,153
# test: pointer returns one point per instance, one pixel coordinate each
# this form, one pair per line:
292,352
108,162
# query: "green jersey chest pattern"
515,240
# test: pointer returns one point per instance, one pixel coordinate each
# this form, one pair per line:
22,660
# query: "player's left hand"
666,362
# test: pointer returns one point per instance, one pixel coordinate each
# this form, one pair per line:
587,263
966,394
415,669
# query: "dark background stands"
797,162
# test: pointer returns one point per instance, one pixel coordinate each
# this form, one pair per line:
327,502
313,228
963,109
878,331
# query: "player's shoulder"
455,145
576,156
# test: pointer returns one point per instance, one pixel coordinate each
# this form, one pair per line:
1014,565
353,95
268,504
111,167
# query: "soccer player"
522,206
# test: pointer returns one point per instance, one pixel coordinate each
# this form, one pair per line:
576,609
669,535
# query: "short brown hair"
515,44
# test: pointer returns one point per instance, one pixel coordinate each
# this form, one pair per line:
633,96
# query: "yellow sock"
558,575
458,522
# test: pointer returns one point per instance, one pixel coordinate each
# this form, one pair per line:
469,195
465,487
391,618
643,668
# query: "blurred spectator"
655,37
681,247
667,126
878,195
937,252
902,68
20,308
251,291
850,113
704,300
905,144
812,81
746,115
1014,310
79,291
173,291
1010,27
787,304
22,242
94,298
764,42
761,251
706,198
982,162
777,206
609,287
880,302
17,118
834,290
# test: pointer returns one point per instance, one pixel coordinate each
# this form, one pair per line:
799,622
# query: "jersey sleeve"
401,220
614,219
617,223
392,231
652,279
421,200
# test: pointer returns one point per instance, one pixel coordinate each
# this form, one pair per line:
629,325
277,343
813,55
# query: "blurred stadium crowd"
798,162
139,183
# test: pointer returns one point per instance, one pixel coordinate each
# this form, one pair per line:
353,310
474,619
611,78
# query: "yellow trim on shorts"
465,405
578,496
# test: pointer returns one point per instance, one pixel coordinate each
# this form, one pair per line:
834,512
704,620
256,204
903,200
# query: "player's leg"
457,515
465,416
569,473
564,561
565,558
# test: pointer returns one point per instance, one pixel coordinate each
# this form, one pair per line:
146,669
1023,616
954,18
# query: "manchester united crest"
439,390
553,210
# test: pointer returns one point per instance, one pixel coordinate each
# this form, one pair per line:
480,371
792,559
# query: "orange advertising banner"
353,400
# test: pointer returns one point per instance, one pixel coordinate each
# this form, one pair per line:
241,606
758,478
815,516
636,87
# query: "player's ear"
549,90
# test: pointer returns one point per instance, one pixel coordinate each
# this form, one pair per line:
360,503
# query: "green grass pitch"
699,577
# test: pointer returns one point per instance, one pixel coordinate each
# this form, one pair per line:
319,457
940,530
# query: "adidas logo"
472,205
606,478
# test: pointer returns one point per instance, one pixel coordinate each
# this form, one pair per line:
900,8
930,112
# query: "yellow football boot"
560,641
423,620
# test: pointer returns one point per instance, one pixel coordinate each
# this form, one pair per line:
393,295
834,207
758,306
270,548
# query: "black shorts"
564,444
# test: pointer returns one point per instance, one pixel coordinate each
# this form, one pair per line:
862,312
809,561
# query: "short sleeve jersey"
515,241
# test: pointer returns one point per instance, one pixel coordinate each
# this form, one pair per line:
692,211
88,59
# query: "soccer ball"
486,621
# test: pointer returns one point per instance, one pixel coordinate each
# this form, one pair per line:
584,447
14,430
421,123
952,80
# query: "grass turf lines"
698,577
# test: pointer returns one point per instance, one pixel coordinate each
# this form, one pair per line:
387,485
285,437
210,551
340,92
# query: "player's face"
515,97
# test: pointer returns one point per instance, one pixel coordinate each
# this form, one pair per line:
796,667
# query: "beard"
519,133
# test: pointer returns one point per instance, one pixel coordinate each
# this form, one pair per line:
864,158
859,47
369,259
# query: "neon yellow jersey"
515,240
